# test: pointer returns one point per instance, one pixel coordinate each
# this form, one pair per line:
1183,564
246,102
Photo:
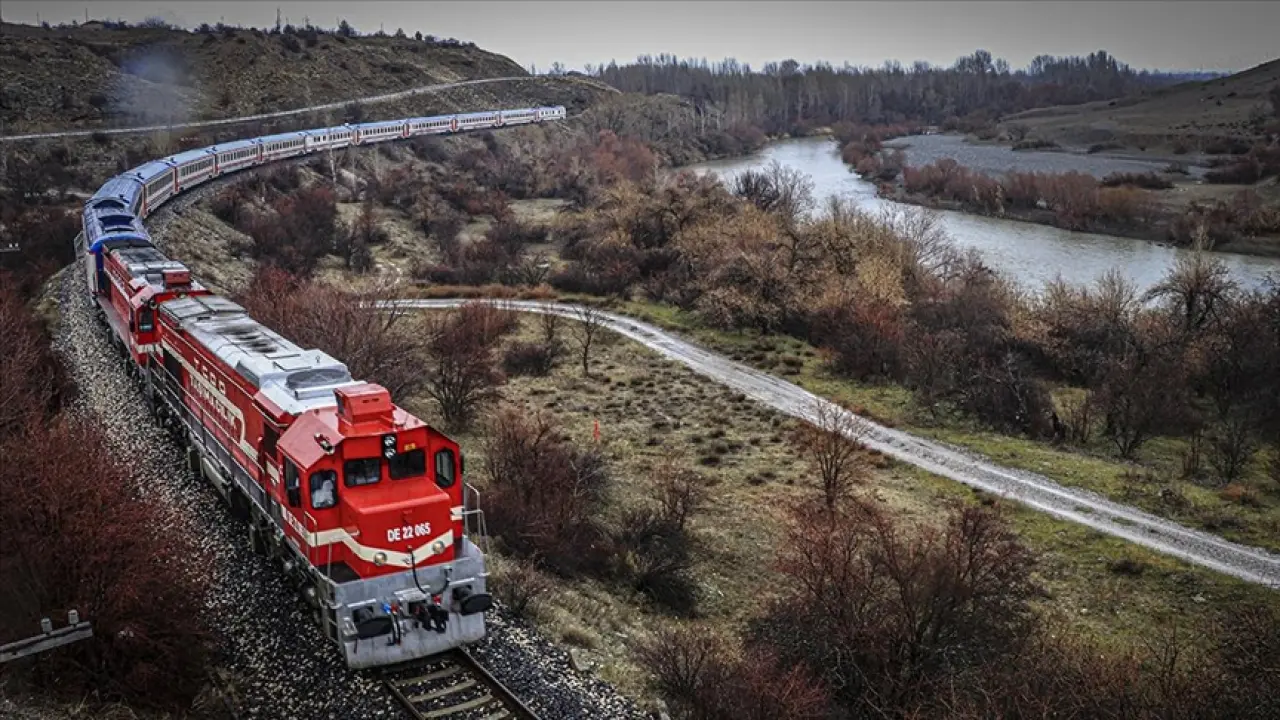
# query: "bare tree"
462,374
384,346
549,325
1231,447
833,446
586,332
1195,290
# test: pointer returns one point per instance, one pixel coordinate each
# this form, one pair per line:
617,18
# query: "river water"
1032,254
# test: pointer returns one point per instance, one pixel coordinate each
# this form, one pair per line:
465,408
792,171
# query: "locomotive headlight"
437,547
379,559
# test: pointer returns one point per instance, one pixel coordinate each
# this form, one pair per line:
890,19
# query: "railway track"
453,686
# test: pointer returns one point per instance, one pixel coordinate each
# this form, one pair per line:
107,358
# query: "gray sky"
1164,35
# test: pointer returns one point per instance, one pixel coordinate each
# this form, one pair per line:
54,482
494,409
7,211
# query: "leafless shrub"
586,332
519,586
543,493
1231,446
461,374
522,358
832,443
705,677
1078,410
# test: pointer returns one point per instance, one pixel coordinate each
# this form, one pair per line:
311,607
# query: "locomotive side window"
406,465
291,486
324,489
365,471
445,475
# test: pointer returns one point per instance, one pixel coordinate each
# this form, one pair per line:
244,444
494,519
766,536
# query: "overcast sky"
1159,35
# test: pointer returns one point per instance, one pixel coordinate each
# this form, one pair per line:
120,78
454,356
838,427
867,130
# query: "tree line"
787,96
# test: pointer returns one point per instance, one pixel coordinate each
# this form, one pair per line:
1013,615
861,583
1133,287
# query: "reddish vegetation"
376,346
1077,201
544,500
878,618
43,236
77,534
699,672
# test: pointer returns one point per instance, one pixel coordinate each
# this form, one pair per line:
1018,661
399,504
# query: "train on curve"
362,504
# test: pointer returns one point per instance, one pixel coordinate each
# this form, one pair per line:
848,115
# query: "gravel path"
275,658
1079,506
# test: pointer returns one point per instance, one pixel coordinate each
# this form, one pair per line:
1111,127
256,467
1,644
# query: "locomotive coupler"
437,615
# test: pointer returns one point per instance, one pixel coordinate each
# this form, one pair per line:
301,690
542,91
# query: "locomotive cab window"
291,487
146,320
324,489
445,475
365,471
406,465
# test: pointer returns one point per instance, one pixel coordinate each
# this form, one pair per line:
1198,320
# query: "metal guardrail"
49,639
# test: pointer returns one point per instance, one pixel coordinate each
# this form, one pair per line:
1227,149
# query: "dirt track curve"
1079,506
373,99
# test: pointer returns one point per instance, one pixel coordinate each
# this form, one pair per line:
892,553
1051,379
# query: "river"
1032,254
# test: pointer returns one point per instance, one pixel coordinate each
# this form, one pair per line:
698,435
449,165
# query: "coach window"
365,471
324,489
291,488
407,465
445,474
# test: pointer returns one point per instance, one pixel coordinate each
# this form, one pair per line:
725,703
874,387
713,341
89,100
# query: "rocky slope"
97,76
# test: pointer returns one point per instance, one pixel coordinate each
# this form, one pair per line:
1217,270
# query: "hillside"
96,76
1192,115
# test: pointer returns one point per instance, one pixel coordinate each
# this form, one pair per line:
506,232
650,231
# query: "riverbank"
1155,229
1108,192
1029,253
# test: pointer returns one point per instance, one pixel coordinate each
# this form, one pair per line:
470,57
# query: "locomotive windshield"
365,471
407,465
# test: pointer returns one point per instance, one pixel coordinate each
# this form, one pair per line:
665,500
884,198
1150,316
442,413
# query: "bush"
519,585
915,606
521,358
1244,172
1034,144
513,235
651,554
703,676
543,493
1147,180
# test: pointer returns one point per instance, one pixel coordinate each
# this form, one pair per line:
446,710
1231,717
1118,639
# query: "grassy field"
649,408
1248,512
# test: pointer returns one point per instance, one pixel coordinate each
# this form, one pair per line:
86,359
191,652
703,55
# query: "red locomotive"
363,501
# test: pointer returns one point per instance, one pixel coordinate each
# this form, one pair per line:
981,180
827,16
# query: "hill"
1188,117
99,75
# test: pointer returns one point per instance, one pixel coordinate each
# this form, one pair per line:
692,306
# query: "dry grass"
1193,114
649,408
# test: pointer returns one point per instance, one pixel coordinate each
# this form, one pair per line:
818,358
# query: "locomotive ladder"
453,686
